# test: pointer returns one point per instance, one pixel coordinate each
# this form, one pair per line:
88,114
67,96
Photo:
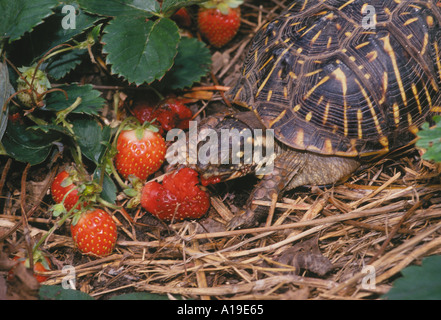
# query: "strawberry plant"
142,42
57,61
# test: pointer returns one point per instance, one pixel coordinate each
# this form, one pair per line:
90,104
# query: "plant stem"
108,204
58,224
116,175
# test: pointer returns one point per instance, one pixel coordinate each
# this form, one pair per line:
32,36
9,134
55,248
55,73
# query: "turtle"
338,84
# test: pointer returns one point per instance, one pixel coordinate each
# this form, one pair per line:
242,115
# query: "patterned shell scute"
349,78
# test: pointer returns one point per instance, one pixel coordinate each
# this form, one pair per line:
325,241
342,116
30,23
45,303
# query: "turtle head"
222,148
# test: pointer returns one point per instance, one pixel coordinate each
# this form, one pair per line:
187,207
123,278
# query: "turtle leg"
286,165
292,169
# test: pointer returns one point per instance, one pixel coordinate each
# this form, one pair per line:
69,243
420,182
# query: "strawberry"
94,232
141,151
64,189
179,197
180,114
41,264
219,21
168,114
40,84
143,107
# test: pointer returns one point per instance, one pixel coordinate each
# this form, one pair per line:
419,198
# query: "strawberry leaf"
6,90
61,65
28,145
20,16
418,282
191,64
109,191
139,50
91,137
51,33
91,102
170,6
58,292
115,8
430,140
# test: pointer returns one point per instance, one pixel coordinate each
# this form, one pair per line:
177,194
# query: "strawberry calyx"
222,5
132,123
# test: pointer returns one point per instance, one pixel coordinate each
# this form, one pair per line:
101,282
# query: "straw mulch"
348,241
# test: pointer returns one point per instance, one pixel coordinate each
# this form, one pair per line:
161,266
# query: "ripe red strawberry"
141,152
219,25
181,114
168,114
94,232
179,197
41,264
65,183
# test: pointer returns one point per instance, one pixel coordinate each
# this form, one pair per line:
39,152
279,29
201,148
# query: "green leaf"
191,64
92,137
430,140
170,6
139,50
28,145
120,8
418,282
52,33
57,292
61,65
110,190
6,90
20,16
91,102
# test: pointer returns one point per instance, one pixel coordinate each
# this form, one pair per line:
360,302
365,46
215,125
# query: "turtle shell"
350,78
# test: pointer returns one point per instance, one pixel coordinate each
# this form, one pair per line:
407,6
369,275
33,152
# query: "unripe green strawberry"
40,85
